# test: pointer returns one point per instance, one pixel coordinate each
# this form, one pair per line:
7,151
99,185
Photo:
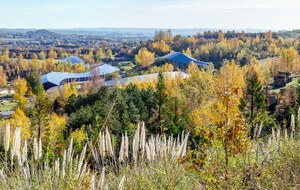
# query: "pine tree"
35,83
40,113
253,102
161,97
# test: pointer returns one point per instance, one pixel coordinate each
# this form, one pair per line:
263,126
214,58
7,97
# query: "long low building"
59,78
145,78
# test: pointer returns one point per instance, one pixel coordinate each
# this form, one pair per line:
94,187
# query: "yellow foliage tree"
42,55
21,56
68,90
21,88
79,138
269,36
257,39
48,65
167,68
57,125
288,59
35,65
198,87
221,36
79,68
144,57
188,52
3,77
273,49
19,119
192,67
52,54
220,118
160,46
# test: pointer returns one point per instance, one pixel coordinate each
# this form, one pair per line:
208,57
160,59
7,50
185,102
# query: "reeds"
6,137
73,167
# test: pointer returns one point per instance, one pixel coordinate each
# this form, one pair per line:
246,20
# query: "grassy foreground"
156,162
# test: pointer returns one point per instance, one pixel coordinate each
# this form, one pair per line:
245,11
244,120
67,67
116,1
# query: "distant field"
262,61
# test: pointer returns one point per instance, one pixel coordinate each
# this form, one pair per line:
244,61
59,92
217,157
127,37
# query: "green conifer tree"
161,97
253,102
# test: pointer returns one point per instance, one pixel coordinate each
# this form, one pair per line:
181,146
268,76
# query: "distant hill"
42,33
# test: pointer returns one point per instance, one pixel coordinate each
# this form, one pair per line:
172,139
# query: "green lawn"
7,106
262,61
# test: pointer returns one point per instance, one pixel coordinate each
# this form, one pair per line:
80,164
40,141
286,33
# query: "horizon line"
145,28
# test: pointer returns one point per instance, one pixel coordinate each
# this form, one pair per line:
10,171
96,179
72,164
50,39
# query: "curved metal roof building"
57,78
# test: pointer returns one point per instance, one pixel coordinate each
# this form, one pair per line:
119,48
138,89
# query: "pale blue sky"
233,14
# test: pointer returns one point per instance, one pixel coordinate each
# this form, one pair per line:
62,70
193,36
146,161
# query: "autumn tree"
220,119
21,56
288,59
42,55
34,56
5,56
166,36
35,65
109,54
79,138
3,77
253,102
187,52
90,56
273,49
221,36
79,68
48,65
57,126
100,55
21,88
19,119
160,47
144,57
269,36
52,54
256,39
192,67
68,90
198,87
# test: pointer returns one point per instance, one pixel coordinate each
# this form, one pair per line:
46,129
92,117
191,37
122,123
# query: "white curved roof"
57,77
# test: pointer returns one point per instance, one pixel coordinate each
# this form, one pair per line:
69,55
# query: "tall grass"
272,163
150,162
136,163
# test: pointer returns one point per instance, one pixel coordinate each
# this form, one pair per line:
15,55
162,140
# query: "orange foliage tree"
220,119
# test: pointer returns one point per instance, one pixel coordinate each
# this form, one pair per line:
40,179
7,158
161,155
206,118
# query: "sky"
220,14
